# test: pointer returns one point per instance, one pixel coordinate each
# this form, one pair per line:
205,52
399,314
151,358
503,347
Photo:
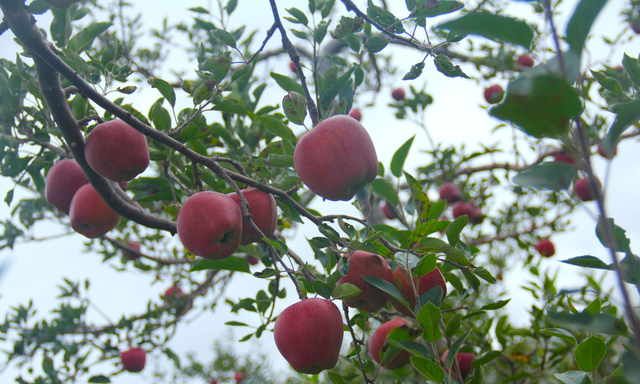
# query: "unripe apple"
465,363
605,154
89,215
264,211
117,151
377,344
388,212
583,191
309,335
336,159
525,61
363,263
450,192
398,94
546,248
239,376
132,255
401,281
210,225
494,94
464,208
564,157
62,182
356,114
173,293
133,360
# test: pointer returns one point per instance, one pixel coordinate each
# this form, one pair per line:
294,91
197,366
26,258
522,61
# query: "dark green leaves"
376,43
428,369
218,66
429,317
298,16
345,291
581,21
551,175
573,377
446,67
430,8
628,113
165,89
231,263
387,287
621,241
384,18
397,162
593,322
494,27
414,72
347,26
385,189
587,262
83,39
562,334
590,353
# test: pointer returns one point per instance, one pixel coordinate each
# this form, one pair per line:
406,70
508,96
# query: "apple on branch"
133,360
356,114
546,248
494,94
583,189
62,182
265,214
465,363
398,94
428,281
363,263
89,215
133,253
378,345
450,192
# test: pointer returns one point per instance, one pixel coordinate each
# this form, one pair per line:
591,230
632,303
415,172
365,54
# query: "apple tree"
410,289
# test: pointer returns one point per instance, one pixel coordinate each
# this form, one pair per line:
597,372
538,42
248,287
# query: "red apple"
564,157
90,216
464,208
309,335
525,61
336,159
398,94
117,151
583,191
292,66
133,360
371,299
132,255
173,293
494,94
356,114
210,225
546,248
426,282
635,26
450,192
264,211
252,260
605,154
214,381
239,376
63,180
465,363
388,212
377,344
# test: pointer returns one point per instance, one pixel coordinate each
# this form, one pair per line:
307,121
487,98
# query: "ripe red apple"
426,282
239,376
210,225
371,299
564,157
464,208
525,61
465,363
377,344
583,191
494,94
293,67
450,192
336,159
265,214
388,212
635,26
309,335
131,255
398,94
117,151
90,216
605,154
214,381
173,293
546,248
356,114
133,359
63,180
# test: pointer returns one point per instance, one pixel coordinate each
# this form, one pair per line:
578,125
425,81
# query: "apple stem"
356,344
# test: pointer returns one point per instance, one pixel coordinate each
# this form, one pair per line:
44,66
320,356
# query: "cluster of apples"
495,93
114,150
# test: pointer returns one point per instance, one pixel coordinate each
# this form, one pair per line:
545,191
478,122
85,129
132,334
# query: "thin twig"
356,344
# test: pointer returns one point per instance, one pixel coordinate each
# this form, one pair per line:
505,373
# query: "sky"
457,115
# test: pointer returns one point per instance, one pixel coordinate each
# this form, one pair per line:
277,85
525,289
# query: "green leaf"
581,22
426,265
632,68
218,66
384,18
491,26
165,89
276,126
287,83
420,198
337,379
345,291
628,114
347,26
431,8
607,82
294,105
428,369
376,43
387,287
592,322
621,241
224,37
231,263
497,305
160,116
631,267
429,317
9,197
329,232
484,359
236,324
541,106
230,106
434,296
397,162
446,67
453,351
322,289
99,379
554,175
414,72
454,229
386,190
412,346
573,377
562,334
587,262
299,16
172,356
84,39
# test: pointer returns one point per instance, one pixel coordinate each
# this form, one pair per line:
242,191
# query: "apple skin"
606,154
309,335
388,212
252,260
546,248
127,254
379,337
336,159
426,282
210,225
582,190
398,94
356,114
464,208
564,157
494,94
133,360
265,214
525,61
173,293
465,363
89,215
292,66
363,263
239,377
117,151
635,26
450,192
62,182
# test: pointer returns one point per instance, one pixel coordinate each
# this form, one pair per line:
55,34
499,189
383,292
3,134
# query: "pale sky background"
458,113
